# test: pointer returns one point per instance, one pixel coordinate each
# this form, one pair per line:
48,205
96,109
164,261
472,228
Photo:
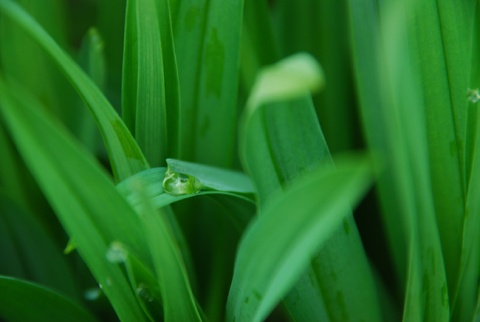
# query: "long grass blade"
396,112
125,156
85,200
321,29
150,82
207,40
274,157
178,300
277,247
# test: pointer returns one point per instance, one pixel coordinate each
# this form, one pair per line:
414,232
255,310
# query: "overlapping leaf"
278,246
274,156
85,200
24,301
125,156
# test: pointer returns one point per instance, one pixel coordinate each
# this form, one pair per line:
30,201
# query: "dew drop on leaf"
144,292
116,253
473,95
92,294
178,184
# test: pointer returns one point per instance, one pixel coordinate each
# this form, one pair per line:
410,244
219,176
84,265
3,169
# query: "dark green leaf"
24,301
125,156
85,200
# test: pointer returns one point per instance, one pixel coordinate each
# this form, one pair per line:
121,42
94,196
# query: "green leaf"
278,247
85,200
308,25
92,57
440,49
24,301
258,46
22,59
213,178
365,37
213,181
397,128
207,41
92,60
264,149
110,20
178,300
32,245
274,156
142,280
150,83
125,156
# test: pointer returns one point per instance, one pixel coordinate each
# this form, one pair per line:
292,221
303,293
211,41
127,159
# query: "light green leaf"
24,301
213,178
213,181
125,156
397,128
85,200
292,77
274,156
178,300
279,244
440,46
321,29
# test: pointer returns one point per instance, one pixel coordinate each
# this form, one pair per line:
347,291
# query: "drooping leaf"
274,156
321,29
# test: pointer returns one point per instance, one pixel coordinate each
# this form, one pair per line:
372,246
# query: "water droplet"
178,184
144,292
92,294
117,253
473,95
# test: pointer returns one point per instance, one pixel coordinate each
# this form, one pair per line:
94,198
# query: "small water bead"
144,292
116,253
473,95
92,294
178,184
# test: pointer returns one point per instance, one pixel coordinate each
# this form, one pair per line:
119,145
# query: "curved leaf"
125,156
152,180
24,301
33,244
279,244
92,211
